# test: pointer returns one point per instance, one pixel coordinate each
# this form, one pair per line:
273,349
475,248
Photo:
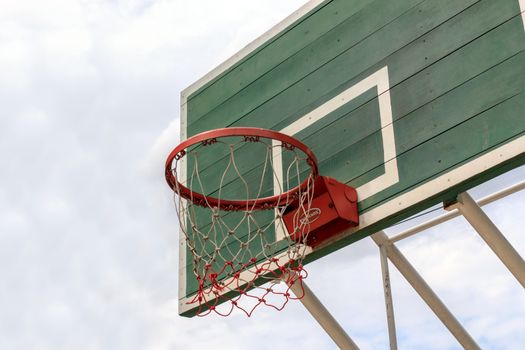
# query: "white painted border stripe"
522,9
381,80
182,176
445,181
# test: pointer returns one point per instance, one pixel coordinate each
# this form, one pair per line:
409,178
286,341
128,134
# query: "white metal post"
491,235
425,292
323,316
453,213
389,305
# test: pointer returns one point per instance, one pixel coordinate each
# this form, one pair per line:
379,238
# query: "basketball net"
240,250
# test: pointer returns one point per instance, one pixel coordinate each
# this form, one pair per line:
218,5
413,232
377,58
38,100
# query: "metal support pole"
323,316
389,305
455,213
425,292
491,235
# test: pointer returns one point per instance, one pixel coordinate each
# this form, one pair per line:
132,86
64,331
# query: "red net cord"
212,291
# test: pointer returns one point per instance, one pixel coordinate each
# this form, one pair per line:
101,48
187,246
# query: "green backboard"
408,101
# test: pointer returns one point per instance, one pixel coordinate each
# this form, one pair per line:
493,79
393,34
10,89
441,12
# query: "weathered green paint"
311,43
456,70
277,50
269,96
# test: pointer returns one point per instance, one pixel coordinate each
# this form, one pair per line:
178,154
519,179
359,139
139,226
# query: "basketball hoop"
232,241
244,198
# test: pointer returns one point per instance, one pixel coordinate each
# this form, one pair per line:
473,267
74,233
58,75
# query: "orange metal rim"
250,134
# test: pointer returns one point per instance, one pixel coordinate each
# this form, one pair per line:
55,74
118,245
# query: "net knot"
251,138
287,146
180,155
209,142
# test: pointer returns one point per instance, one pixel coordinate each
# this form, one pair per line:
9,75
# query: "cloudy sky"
89,107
